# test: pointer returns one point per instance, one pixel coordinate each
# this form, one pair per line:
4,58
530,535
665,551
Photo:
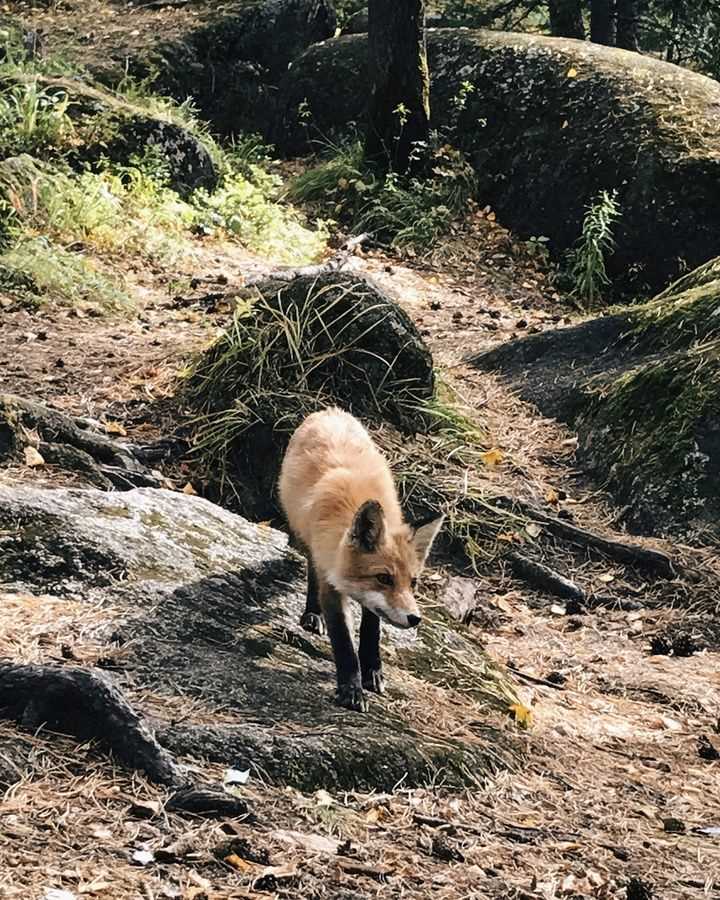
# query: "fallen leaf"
114,428
533,529
143,857
237,862
492,457
57,894
572,73
558,610
95,886
33,458
189,489
522,714
606,578
312,843
551,496
271,875
323,798
236,776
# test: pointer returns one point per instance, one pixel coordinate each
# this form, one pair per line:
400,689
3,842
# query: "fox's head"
378,566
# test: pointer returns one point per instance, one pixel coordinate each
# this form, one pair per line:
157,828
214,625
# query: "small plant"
33,120
586,262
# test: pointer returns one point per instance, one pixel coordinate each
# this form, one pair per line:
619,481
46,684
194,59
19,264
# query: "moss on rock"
548,123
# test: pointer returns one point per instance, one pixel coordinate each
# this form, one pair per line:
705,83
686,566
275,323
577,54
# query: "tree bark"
628,21
601,22
566,19
400,102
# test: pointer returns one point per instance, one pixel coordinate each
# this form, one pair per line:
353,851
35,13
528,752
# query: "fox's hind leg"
349,686
370,662
312,620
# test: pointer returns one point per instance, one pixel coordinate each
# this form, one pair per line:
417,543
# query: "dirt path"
612,786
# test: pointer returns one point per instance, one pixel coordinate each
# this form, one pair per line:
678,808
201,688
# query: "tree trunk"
566,19
601,22
400,103
628,21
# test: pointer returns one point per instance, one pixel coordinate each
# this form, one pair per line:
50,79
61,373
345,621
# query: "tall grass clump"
586,268
408,213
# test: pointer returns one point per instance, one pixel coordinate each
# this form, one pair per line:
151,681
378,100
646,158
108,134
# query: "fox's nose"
414,621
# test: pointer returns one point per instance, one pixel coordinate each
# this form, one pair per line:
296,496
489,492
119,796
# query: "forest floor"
611,797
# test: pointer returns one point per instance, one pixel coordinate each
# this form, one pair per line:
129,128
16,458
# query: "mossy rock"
548,123
298,346
207,606
642,388
106,127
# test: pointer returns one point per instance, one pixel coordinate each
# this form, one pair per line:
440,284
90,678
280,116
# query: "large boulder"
109,127
642,388
206,606
228,59
295,347
548,123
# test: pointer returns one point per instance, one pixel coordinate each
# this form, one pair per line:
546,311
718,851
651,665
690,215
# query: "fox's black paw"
351,697
374,681
313,623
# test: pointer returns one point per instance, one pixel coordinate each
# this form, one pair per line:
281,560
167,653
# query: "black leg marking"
370,662
349,687
311,620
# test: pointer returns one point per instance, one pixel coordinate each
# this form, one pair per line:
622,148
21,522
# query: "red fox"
341,504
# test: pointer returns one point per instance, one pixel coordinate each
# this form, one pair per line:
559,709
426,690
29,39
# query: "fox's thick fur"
341,504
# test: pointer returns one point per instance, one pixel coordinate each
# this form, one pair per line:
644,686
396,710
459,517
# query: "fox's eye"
385,578
413,583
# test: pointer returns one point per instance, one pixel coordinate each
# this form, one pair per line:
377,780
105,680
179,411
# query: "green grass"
48,272
406,213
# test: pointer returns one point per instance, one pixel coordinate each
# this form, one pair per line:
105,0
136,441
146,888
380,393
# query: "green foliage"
347,8
408,213
246,211
32,120
42,270
586,262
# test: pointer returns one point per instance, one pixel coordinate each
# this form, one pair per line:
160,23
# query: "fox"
342,508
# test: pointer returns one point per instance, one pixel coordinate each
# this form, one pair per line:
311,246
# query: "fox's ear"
368,526
423,535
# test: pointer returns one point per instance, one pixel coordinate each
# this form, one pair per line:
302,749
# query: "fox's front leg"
349,686
312,620
370,662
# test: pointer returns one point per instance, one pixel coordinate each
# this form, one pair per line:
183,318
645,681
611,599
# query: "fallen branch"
545,578
89,706
535,679
338,262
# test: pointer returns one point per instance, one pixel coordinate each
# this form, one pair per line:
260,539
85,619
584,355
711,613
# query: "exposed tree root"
544,578
643,557
88,705
73,444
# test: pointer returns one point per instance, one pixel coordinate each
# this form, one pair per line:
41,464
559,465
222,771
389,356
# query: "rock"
206,605
230,63
127,131
460,598
306,344
642,388
549,123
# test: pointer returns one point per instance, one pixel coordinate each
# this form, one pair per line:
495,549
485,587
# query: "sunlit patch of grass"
52,273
